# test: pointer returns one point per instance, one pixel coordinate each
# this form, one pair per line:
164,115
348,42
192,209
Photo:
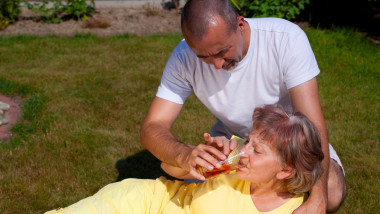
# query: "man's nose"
218,62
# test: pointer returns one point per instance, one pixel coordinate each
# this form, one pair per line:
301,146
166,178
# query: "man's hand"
312,205
208,155
220,142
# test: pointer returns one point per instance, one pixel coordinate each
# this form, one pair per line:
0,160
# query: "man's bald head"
198,15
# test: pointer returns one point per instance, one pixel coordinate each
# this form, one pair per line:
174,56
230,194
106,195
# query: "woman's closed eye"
252,149
256,151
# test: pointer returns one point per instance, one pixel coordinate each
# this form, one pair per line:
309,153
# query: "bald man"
234,64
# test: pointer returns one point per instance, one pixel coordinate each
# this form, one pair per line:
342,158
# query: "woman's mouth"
241,165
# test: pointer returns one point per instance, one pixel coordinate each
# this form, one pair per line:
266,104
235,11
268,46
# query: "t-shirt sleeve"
175,85
299,61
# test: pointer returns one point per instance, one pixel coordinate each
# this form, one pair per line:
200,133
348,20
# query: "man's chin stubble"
232,66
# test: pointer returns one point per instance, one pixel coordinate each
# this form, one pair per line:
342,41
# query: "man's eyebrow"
203,57
222,50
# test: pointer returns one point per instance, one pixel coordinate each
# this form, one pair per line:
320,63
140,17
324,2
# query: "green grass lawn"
85,97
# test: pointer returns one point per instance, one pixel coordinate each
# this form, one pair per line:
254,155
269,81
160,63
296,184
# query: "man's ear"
285,172
241,22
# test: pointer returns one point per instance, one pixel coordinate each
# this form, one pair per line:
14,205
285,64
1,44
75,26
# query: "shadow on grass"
141,165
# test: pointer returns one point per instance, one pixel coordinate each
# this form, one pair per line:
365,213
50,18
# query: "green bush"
79,9
45,13
3,22
76,9
287,9
9,12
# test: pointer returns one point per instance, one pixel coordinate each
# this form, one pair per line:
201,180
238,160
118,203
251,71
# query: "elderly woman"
281,162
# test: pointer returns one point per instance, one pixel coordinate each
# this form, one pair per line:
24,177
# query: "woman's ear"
285,172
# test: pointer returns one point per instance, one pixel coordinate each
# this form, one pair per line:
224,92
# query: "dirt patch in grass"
13,115
107,21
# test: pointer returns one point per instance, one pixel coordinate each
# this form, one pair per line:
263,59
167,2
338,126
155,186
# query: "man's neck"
246,38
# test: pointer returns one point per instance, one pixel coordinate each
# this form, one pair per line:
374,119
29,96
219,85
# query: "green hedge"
9,12
288,9
76,9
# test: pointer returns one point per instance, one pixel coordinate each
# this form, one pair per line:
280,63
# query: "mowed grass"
350,94
85,98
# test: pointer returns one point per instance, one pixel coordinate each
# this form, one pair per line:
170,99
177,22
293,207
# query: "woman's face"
260,163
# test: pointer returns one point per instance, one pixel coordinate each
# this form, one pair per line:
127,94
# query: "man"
233,65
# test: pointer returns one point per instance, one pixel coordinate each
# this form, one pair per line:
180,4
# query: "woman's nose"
247,149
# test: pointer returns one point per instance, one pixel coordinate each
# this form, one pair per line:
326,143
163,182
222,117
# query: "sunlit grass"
87,96
95,92
349,90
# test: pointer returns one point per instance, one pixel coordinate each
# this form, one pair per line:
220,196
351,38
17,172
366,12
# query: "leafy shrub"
287,9
76,9
3,22
46,13
79,9
9,12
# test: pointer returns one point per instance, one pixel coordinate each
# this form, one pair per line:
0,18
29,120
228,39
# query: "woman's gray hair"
296,140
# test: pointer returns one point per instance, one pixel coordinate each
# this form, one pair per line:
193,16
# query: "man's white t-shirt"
279,58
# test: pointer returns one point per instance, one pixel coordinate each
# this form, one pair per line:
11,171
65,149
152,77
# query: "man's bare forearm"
305,98
176,171
321,185
161,143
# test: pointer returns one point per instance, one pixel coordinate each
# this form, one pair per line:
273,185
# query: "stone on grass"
4,106
3,120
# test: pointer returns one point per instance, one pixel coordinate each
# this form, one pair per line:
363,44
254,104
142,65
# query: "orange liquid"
225,168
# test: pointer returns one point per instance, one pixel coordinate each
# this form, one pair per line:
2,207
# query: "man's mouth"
228,65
